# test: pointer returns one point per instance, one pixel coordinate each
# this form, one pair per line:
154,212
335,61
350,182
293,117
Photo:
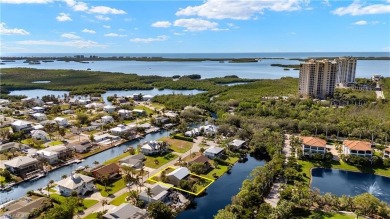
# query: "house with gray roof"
158,193
237,144
178,174
9,145
23,165
76,182
126,211
135,161
213,152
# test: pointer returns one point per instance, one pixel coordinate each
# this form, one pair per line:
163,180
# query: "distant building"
152,147
109,109
21,126
122,130
107,119
213,152
317,78
357,148
237,144
55,154
76,182
346,70
23,165
40,135
386,153
312,145
9,145
39,116
61,121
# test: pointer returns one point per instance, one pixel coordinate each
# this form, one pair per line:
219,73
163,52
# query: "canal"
21,189
220,193
341,182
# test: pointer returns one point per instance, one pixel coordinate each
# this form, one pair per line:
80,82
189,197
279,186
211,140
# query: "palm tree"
96,162
133,196
64,176
104,202
149,193
129,173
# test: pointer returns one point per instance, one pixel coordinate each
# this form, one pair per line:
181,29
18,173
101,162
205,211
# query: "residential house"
171,114
313,145
209,130
357,148
237,144
38,127
135,161
32,101
39,135
76,182
63,122
126,211
109,109
68,111
81,148
161,120
23,165
145,126
158,193
55,154
94,106
213,152
138,112
201,159
38,109
178,174
107,119
107,171
152,147
147,97
4,102
105,138
124,130
21,126
39,116
9,145
125,114
83,102
386,153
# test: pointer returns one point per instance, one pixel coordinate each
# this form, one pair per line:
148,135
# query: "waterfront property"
386,153
313,145
55,154
40,135
8,146
76,182
63,122
126,210
213,152
177,175
158,193
107,171
21,126
357,148
237,144
153,147
23,166
135,161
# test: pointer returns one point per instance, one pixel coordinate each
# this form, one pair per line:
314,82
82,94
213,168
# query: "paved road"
98,207
274,196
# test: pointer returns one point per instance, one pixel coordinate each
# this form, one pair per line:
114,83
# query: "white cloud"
26,1
88,31
356,8
105,10
178,34
74,43
107,26
63,17
102,18
361,22
239,9
82,6
114,35
15,31
232,25
326,2
70,36
292,33
163,24
196,24
150,39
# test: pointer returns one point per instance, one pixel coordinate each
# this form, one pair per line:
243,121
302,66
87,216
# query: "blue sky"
143,26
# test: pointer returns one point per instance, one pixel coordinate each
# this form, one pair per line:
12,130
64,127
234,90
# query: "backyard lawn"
115,159
219,172
86,202
111,188
147,110
177,145
119,200
91,216
161,160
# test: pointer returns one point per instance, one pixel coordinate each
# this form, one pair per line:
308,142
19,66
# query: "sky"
191,26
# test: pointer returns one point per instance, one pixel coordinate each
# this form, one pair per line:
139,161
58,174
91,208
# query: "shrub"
183,138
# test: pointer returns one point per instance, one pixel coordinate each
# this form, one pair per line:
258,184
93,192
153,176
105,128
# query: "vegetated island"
358,58
286,67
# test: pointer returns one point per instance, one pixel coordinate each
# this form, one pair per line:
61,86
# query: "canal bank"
220,193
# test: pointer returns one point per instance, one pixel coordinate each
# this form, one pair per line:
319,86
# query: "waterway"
341,182
220,193
21,189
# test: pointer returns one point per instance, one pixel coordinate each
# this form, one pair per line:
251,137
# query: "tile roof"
313,141
107,169
358,145
199,159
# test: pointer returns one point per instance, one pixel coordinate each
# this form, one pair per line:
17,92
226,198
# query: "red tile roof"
313,141
106,170
358,145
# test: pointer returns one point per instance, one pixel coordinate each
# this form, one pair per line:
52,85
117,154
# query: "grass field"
177,145
119,200
219,172
86,202
147,109
150,160
111,188
91,216
115,159
54,143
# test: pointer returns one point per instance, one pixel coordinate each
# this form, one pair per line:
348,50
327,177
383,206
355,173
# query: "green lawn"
147,110
150,160
119,200
54,143
2,179
86,202
89,202
111,188
115,159
177,145
219,172
91,216
342,216
232,160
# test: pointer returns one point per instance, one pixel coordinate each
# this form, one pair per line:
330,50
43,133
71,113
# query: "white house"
237,144
76,182
23,165
138,112
386,153
357,148
107,119
106,138
61,121
20,125
159,193
94,106
147,97
123,129
126,211
151,147
55,154
39,135
83,101
213,152
312,145
125,114
109,109
39,116
209,129
38,109
178,174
